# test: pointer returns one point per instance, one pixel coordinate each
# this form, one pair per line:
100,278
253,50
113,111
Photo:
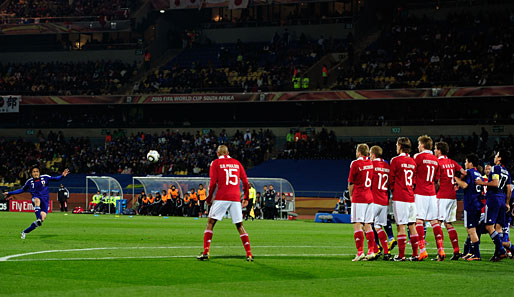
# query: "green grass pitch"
153,256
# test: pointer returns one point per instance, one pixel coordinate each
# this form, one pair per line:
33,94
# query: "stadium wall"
126,56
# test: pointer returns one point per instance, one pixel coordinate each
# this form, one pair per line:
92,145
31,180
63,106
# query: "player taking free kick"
225,173
37,185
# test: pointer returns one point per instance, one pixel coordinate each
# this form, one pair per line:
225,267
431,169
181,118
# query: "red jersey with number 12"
361,174
380,185
401,178
225,172
447,168
427,170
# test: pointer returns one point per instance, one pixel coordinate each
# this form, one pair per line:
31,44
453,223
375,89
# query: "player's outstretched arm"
18,191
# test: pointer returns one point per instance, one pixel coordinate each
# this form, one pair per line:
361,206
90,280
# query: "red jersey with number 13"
427,170
361,174
401,178
380,186
225,172
447,168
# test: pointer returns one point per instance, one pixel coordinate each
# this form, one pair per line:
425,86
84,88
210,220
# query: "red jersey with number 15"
225,172
380,186
401,178
447,168
427,170
361,174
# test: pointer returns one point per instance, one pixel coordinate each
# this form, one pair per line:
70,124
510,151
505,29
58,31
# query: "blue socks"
31,227
499,250
37,211
475,249
389,230
467,246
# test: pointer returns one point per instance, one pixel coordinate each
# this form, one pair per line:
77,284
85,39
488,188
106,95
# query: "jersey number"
408,177
450,174
430,173
503,181
382,181
367,184
229,174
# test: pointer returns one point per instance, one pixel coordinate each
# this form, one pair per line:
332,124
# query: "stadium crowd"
56,78
463,50
113,9
181,153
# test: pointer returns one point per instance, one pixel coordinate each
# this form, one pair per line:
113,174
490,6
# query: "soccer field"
86,255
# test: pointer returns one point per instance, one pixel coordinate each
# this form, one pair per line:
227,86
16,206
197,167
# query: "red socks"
414,243
421,237
370,237
382,236
359,241
246,243
402,240
438,233
454,239
207,236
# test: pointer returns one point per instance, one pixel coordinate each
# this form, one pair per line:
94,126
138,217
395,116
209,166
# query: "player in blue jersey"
472,205
497,204
38,188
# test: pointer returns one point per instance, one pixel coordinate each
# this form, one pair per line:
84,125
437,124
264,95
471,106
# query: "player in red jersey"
402,175
447,194
380,191
225,173
427,170
359,187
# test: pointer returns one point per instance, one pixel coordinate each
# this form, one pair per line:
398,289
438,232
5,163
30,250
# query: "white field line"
9,257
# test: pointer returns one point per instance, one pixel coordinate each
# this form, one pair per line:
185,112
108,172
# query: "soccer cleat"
387,257
440,257
413,259
498,258
392,244
423,256
358,257
456,256
249,258
473,258
378,255
370,257
23,234
203,257
467,256
398,259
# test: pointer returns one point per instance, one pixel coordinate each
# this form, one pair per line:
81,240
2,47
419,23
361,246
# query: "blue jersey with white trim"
38,188
500,173
473,193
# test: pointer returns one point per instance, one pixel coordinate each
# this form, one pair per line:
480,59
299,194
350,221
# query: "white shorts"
447,210
219,208
426,207
379,215
362,213
404,212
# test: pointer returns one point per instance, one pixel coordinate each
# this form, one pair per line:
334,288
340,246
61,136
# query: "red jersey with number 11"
361,175
427,170
225,172
401,178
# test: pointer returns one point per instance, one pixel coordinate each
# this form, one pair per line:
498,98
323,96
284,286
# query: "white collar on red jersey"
442,157
362,158
403,155
377,159
223,157
426,152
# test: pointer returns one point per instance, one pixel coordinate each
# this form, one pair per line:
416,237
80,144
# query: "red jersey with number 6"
225,172
401,178
380,186
361,174
447,168
427,170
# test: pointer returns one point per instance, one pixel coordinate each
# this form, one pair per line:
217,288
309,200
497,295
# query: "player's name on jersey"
368,167
411,166
432,162
447,166
229,166
381,169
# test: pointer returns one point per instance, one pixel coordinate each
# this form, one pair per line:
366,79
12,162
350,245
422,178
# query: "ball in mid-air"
153,156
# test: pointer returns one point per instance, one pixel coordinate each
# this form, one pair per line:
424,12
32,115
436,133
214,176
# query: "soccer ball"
153,156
